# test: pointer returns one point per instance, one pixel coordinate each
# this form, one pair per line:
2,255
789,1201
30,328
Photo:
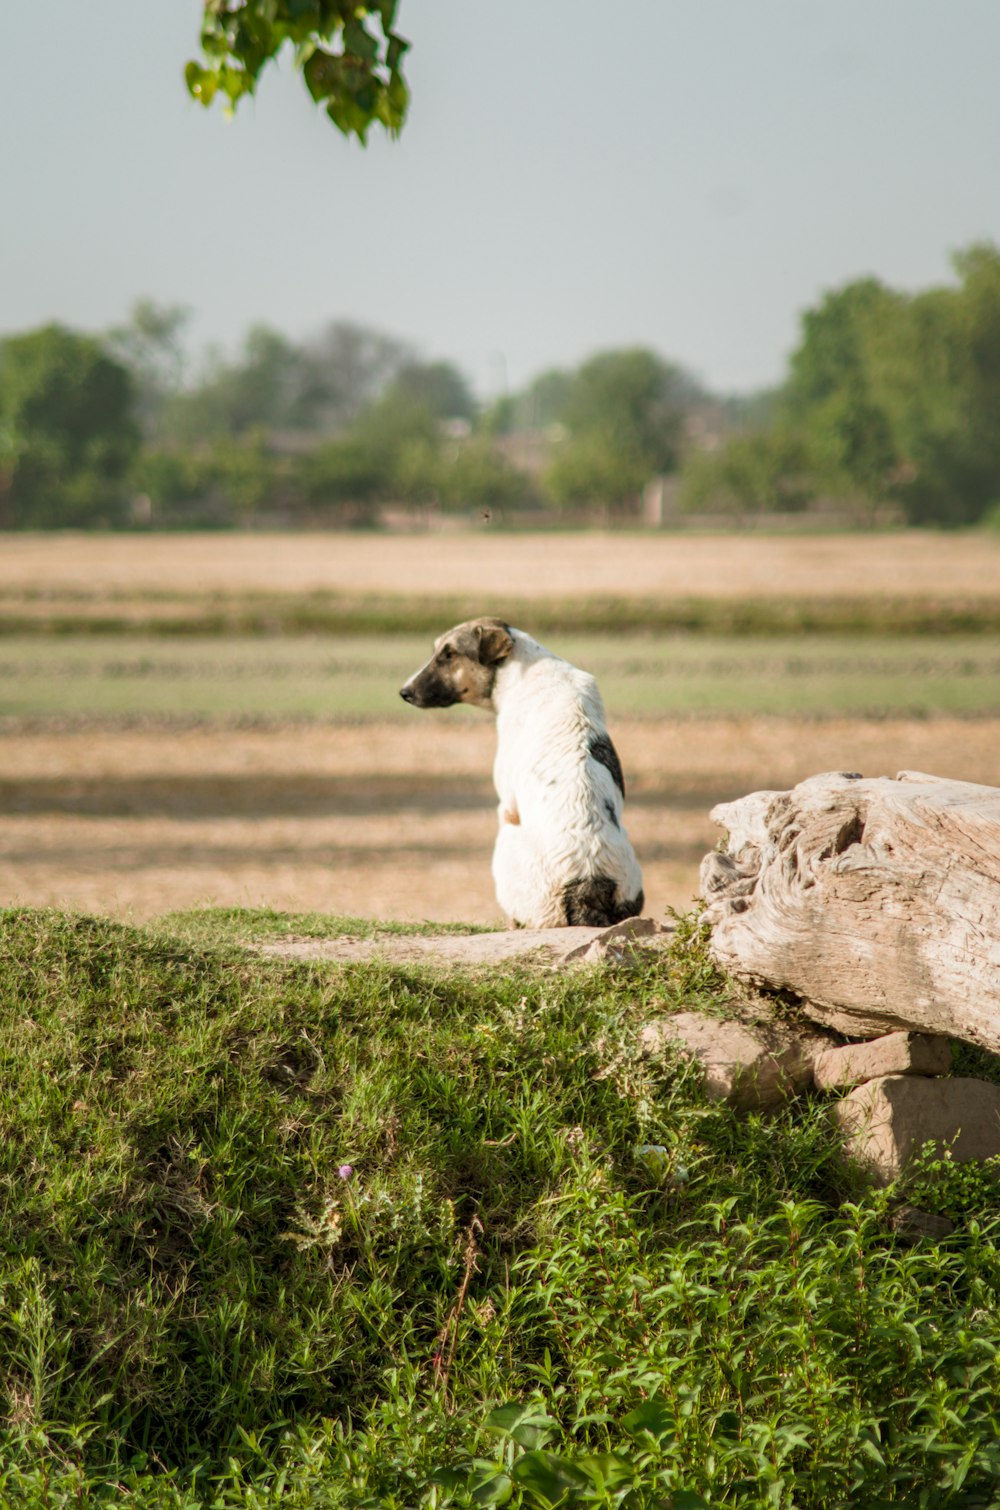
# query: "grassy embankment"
203,1306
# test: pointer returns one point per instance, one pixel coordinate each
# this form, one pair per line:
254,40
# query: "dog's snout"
407,694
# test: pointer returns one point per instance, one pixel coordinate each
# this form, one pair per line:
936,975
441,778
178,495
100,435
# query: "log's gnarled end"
877,901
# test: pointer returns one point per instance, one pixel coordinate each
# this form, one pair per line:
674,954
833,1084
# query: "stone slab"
616,942
885,1121
553,947
893,1054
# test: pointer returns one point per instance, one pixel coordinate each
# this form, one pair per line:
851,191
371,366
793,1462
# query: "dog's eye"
447,653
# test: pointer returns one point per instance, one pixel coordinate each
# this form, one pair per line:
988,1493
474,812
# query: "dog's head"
463,667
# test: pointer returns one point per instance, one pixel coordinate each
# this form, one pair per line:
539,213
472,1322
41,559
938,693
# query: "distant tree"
348,53
474,476
951,424
760,472
344,480
68,433
843,341
898,396
440,386
388,452
254,392
151,345
541,404
852,438
545,400
624,415
276,385
396,420
343,370
590,472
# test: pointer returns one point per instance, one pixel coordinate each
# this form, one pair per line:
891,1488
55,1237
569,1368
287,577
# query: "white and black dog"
562,856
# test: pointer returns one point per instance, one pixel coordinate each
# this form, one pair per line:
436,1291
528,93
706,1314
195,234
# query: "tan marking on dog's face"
463,667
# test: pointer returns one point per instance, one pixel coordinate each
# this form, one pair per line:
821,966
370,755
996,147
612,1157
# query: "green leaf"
607,1470
547,1477
449,1478
527,1424
236,83
200,82
492,1488
727,1424
321,72
398,97
395,52
359,42
357,80
686,1499
348,117
652,1419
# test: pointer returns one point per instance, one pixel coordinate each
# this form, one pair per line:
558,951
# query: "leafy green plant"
937,1183
693,970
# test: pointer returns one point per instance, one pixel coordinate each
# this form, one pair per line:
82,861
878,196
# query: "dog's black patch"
590,903
612,815
603,751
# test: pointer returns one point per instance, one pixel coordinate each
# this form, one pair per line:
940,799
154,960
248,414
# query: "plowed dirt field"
381,820
494,565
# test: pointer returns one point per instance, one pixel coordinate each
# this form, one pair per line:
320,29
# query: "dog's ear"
495,642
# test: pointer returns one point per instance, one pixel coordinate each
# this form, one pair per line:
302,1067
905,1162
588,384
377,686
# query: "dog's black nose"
407,694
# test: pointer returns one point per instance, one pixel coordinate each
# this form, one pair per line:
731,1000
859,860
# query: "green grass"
280,678
203,614
217,926
554,1276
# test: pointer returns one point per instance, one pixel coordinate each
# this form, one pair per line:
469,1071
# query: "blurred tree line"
891,409
892,400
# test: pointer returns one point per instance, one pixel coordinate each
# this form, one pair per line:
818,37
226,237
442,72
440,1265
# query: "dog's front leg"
511,863
510,816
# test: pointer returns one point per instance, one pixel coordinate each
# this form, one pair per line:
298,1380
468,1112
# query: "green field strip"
330,678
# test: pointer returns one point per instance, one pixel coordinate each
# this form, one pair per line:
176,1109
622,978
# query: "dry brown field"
382,819
137,823
495,565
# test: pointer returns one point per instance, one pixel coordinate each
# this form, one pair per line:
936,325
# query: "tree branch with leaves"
349,54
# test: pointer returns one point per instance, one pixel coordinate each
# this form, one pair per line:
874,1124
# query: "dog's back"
567,858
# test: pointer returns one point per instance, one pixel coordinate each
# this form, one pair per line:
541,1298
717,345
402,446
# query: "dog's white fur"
560,808
548,713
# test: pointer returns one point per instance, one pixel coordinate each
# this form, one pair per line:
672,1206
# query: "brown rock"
912,1225
753,1067
895,1054
887,1120
616,942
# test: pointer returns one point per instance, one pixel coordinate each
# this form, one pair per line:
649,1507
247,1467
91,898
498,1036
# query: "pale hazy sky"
575,175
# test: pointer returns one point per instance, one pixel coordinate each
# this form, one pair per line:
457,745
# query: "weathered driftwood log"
876,901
